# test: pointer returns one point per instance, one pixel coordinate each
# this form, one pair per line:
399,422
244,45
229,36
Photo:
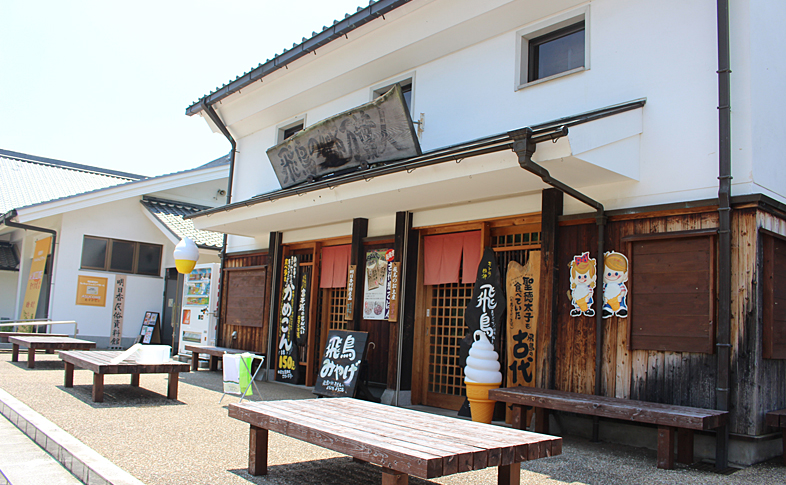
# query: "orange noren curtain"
442,256
335,263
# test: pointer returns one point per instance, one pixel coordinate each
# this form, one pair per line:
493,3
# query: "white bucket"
153,354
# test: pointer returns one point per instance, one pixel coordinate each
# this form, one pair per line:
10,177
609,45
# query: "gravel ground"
192,440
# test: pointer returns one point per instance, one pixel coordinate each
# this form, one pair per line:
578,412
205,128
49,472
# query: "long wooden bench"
402,441
667,417
777,419
45,342
4,335
215,353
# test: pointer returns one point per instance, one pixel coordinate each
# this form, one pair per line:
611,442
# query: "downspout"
220,124
51,260
524,145
724,232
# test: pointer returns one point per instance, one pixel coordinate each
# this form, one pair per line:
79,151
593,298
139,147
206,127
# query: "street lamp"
186,255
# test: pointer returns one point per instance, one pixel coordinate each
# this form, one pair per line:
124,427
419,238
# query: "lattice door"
445,318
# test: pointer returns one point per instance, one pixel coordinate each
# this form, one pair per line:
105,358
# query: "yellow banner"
91,291
36,277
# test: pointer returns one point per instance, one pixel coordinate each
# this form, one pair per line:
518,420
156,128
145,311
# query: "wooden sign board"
288,365
379,131
340,367
523,286
395,277
349,314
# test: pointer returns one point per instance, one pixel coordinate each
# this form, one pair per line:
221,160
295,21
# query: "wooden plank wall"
253,339
682,378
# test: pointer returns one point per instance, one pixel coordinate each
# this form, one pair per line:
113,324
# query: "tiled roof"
26,180
171,213
9,261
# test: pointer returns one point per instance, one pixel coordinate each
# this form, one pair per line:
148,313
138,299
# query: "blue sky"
106,83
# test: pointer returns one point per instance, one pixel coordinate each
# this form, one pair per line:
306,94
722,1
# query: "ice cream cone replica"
481,374
186,256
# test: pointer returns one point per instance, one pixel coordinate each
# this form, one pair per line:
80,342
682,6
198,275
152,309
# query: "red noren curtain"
335,262
442,255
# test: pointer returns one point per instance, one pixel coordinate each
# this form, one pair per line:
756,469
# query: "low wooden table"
402,441
667,417
777,419
48,342
4,335
99,362
215,354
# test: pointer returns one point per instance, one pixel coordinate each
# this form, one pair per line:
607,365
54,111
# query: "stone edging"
86,464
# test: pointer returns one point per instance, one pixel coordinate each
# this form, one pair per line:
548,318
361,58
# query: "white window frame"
543,27
374,91
282,127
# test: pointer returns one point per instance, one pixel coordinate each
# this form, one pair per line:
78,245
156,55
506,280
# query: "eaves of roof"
491,144
339,29
135,187
73,166
170,214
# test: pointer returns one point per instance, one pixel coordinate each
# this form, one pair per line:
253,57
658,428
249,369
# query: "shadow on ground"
120,396
330,471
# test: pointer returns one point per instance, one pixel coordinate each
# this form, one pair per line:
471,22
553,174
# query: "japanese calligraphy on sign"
288,365
349,314
304,295
118,305
523,284
340,367
378,131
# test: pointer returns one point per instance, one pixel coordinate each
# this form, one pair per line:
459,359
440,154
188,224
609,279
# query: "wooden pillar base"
69,374
30,357
98,387
542,420
393,477
15,353
685,446
135,380
194,361
171,392
257,451
509,474
666,436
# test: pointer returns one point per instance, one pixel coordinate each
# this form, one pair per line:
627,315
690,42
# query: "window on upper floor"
115,255
553,48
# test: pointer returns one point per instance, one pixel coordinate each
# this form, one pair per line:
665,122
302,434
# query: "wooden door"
442,377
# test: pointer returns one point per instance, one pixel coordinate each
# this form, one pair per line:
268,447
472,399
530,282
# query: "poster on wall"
91,291
582,285
340,366
523,285
615,293
288,366
34,281
376,293
118,306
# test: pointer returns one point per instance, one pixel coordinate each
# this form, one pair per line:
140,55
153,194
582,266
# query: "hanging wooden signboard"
288,368
349,314
379,131
340,367
523,285
393,290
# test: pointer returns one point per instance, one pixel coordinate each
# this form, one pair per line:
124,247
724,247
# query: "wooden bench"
100,363
402,441
667,417
46,342
215,353
4,335
777,419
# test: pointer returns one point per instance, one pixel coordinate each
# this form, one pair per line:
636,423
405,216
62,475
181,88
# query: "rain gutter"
524,145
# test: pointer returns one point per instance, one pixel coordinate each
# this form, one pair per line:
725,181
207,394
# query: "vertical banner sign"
340,368
288,364
484,311
117,312
523,284
395,275
304,295
351,278
40,253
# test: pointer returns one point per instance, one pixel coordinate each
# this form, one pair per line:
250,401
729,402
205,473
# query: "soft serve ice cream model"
480,375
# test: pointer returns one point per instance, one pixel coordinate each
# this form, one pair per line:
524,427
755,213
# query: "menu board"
340,367
376,292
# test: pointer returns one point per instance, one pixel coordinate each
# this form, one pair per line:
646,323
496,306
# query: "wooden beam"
551,207
357,258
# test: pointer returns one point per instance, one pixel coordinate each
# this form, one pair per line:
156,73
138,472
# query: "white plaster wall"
8,280
118,220
663,51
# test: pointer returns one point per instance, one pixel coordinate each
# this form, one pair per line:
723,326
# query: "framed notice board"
151,329
340,366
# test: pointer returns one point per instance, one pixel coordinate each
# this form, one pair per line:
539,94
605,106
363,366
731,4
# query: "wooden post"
509,474
356,257
98,387
194,361
551,209
542,420
257,451
30,357
393,477
666,446
135,380
403,228
14,352
685,446
172,388
69,374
